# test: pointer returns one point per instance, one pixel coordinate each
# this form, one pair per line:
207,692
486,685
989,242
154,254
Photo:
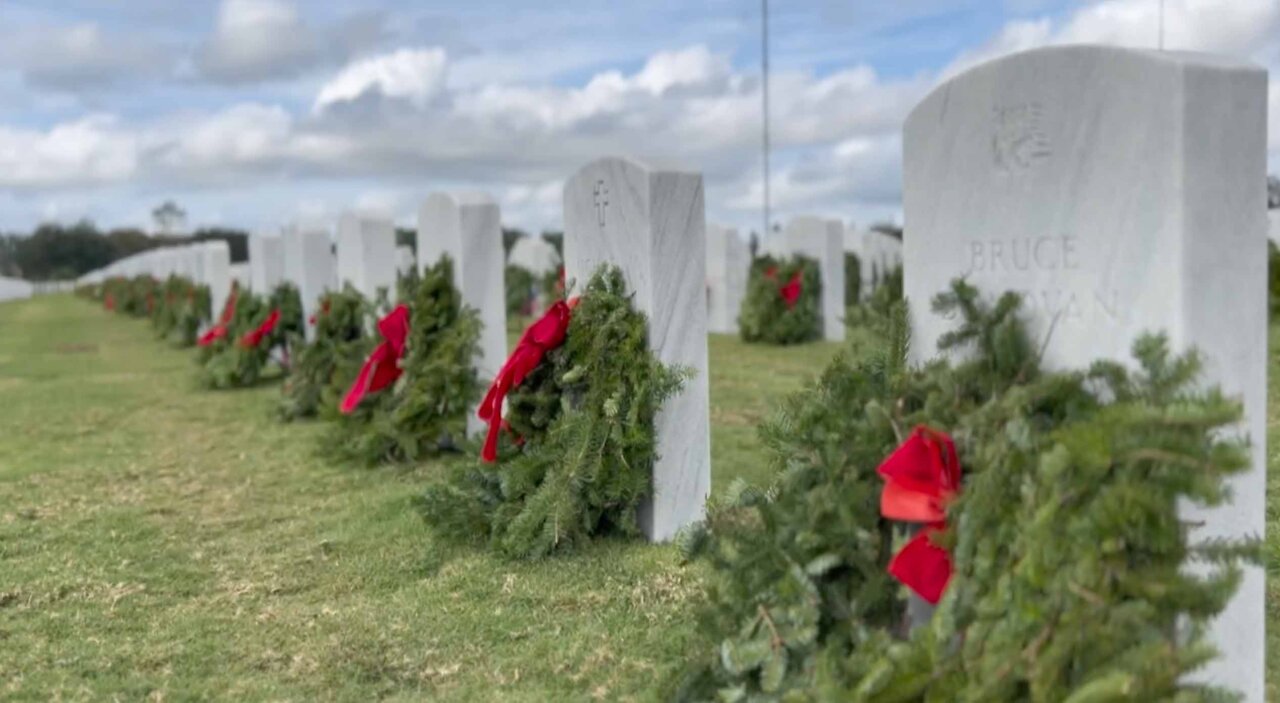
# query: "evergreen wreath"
781,305
1067,545
578,456
259,327
424,412
323,368
180,310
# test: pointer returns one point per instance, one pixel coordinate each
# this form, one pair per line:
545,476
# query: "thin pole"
764,62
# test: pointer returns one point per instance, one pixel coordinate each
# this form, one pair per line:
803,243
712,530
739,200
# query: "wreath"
324,367
235,352
781,305
573,456
1039,509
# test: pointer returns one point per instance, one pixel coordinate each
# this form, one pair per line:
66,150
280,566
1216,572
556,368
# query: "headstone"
215,268
241,275
468,228
1274,230
651,224
535,255
882,254
309,265
266,262
823,241
727,263
405,259
1121,192
14,289
367,254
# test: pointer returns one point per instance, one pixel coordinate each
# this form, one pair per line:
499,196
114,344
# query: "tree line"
55,252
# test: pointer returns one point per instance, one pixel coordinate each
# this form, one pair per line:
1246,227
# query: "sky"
261,113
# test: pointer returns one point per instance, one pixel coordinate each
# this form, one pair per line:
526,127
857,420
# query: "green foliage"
1273,277
1068,548
877,310
585,418
425,411
765,315
230,362
852,278
323,368
519,283
181,308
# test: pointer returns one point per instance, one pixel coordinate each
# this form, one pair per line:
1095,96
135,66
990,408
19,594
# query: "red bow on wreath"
790,291
381,369
542,336
921,477
254,338
324,310
219,330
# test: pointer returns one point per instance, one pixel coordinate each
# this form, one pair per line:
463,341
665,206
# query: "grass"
162,542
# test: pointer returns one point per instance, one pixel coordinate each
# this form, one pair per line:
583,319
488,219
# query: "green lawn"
162,542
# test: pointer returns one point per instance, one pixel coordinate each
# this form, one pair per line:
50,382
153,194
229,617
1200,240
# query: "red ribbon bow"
541,336
790,292
921,477
219,330
254,338
381,368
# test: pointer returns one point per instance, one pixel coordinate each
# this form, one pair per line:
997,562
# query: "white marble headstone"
1121,191
215,272
652,225
241,275
823,241
881,255
1274,230
405,259
535,255
266,262
367,254
310,266
469,229
727,263
14,288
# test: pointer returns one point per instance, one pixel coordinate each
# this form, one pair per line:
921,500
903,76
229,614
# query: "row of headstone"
1118,190
879,254
205,263
728,262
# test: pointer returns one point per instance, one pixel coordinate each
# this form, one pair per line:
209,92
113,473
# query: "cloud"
81,57
413,75
91,150
257,40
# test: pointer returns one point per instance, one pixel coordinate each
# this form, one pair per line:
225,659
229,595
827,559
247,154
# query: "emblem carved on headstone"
1018,141
602,200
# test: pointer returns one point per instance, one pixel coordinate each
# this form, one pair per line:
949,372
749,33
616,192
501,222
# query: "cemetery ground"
159,541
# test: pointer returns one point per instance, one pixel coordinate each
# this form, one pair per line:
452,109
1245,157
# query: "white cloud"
414,75
257,40
91,150
81,56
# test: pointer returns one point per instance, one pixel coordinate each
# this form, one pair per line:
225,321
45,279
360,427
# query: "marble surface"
880,254
727,263
534,254
240,273
652,224
215,272
266,262
469,229
309,265
367,254
14,289
1273,232
406,260
1120,191
823,241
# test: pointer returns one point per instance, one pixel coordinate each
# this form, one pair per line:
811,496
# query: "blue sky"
257,113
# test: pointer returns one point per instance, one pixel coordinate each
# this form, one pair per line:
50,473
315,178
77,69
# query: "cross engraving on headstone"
602,201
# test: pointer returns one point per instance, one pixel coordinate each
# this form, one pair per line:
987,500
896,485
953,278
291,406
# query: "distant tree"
128,241
510,235
407,237
56,251
1273,192
169,219
8,256
555,239
237,239
888,228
